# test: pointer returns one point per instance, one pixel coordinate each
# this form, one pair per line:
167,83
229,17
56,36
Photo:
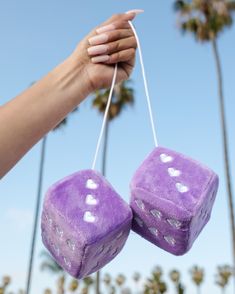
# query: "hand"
112,42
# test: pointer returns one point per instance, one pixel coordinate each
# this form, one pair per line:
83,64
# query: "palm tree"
6,281
38,205
88,282
197,275
175,278
120,281
206,20
123,95
155,284
50,265
136,277
107,280
73,286
223,276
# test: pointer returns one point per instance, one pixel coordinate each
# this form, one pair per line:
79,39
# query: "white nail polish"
107,28
136,11
99,39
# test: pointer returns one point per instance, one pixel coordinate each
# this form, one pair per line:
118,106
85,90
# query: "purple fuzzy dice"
85,223
172,198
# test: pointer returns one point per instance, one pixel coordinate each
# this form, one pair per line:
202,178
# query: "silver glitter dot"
139,221
174,223
67,262
139,203
156,213
59,232
56,249
170,240
70,244
115,251
154,231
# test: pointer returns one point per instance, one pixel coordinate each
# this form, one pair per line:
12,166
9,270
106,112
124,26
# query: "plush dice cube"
171,198
85,223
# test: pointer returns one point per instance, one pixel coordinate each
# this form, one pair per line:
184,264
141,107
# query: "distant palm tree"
74,285
197,275
136,277
50,265
155,284
120,281
223,276
206,19
175,278
47,291
38,205
88,282
123,96
6,281
107,280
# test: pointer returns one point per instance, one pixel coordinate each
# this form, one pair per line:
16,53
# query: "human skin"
31,115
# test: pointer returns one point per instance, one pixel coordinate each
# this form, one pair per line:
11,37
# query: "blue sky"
35,37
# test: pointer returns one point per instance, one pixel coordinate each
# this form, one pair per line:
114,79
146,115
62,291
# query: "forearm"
31,115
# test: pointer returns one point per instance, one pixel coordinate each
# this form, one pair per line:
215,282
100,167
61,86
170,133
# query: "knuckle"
133,40
132,52
116,56
117,46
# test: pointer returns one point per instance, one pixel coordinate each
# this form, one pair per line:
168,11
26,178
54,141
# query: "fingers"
110,36
111,42
114,40
122,17
121,56
113,47
117,20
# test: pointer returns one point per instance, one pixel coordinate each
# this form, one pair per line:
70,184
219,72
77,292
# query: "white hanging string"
145,84
110,99
105,116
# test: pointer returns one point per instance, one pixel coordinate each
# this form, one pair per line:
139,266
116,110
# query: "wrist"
70,79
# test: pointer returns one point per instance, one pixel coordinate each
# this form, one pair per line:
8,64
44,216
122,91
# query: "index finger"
120,17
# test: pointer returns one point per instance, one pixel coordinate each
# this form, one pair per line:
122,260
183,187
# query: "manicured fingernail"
100,39
101,58
109,27
99,49
136,11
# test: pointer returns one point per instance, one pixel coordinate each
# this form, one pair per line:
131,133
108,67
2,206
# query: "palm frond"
49,263
231,5
123,95
181,6
51,267
204,19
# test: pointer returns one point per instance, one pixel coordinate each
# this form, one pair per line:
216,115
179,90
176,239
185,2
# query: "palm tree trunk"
198,289
103,170
36,215
225,144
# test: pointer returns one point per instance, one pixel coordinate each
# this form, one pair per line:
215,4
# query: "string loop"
105,116
145,84
111,93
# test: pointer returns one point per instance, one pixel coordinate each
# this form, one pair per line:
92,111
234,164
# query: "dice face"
171,199
85,223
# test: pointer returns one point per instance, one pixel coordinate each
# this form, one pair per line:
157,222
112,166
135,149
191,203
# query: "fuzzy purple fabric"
172,198
85,223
